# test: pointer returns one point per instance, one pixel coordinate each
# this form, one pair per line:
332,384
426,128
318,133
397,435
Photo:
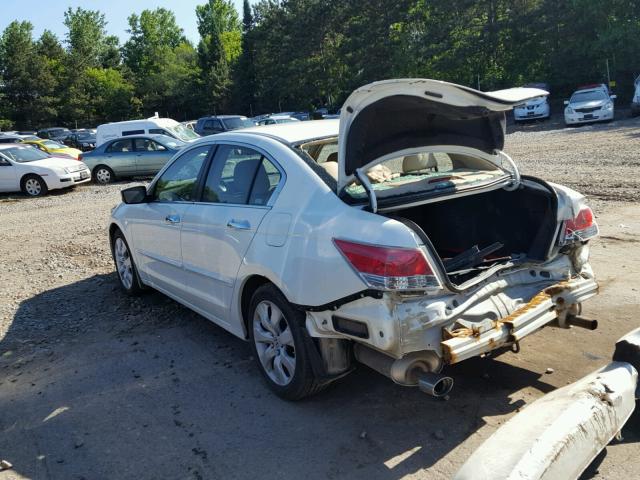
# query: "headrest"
417,162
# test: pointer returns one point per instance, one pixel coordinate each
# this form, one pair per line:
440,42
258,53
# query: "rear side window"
177,183
132,132
158,131
240,176
120,146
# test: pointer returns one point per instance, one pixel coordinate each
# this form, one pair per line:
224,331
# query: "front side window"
240,176
177,183
120,146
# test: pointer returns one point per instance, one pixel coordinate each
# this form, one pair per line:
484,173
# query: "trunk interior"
519,224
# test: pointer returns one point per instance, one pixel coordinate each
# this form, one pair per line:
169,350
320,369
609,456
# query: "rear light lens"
581,228
389,268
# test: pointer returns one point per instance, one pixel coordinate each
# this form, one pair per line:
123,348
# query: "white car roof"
296,132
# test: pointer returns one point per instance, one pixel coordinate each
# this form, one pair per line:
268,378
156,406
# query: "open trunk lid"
391,116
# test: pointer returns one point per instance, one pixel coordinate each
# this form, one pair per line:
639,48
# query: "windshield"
23,154
421,172
83,135
172,143
591,96
182,132
236,123
52,144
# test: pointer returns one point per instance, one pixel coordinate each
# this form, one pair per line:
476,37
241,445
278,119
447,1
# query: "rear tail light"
581,228
389,268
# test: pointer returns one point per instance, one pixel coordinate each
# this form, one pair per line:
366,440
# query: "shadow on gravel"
96,385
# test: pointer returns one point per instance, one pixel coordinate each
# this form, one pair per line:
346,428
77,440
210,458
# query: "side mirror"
613,97
566,102
134,195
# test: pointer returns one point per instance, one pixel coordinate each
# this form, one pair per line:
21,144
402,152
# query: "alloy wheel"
274,343
123,263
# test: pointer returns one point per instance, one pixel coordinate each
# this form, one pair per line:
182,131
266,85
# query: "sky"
49,14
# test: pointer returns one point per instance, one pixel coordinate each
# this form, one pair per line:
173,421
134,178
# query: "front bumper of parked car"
68,179
573,117
531,113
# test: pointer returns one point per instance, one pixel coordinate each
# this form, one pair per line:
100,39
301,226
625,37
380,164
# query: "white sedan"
400,236
588,105
27,169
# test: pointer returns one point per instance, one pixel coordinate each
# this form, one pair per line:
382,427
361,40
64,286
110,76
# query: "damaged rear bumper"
552,303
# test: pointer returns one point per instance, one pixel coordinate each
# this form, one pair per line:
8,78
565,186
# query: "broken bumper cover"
558,436
548,305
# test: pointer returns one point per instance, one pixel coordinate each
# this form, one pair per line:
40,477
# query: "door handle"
239,224
172,219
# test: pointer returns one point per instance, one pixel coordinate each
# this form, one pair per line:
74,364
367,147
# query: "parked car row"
588,104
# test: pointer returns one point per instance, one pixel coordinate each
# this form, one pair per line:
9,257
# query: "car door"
150,156
8,176
120,157
218,229
157,224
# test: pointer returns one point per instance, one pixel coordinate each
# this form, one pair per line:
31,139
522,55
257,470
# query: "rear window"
415,173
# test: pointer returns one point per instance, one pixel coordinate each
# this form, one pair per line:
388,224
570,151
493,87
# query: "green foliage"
303,54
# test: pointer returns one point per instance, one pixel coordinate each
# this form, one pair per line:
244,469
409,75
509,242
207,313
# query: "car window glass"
177,183
132,132
240,176
146,145
120,146
158,131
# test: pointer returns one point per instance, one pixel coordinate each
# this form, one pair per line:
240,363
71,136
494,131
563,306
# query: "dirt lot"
94,385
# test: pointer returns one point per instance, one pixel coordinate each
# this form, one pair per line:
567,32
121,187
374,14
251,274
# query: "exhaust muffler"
417,369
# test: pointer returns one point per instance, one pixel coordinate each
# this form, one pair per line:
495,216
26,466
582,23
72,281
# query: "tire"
280,348
34,186
103,175
128,277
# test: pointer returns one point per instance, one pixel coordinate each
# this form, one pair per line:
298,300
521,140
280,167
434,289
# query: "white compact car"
534,109
589,104
27,169
400,236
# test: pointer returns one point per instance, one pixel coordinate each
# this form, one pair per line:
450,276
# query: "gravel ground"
96,385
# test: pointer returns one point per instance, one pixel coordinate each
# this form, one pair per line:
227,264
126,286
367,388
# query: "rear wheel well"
113,228
250,286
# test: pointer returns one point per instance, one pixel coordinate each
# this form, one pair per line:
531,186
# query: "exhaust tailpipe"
582,322
435,385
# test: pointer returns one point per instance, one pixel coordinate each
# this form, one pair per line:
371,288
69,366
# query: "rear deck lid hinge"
364,180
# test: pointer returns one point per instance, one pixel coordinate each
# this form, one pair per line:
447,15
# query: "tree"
29,76
162,64
244,78
219,47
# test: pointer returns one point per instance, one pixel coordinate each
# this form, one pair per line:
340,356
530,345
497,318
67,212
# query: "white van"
150,126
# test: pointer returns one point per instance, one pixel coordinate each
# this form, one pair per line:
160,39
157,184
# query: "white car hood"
54,162
395,115
589,104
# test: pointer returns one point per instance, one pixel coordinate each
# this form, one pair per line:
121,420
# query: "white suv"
589,104
400,236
